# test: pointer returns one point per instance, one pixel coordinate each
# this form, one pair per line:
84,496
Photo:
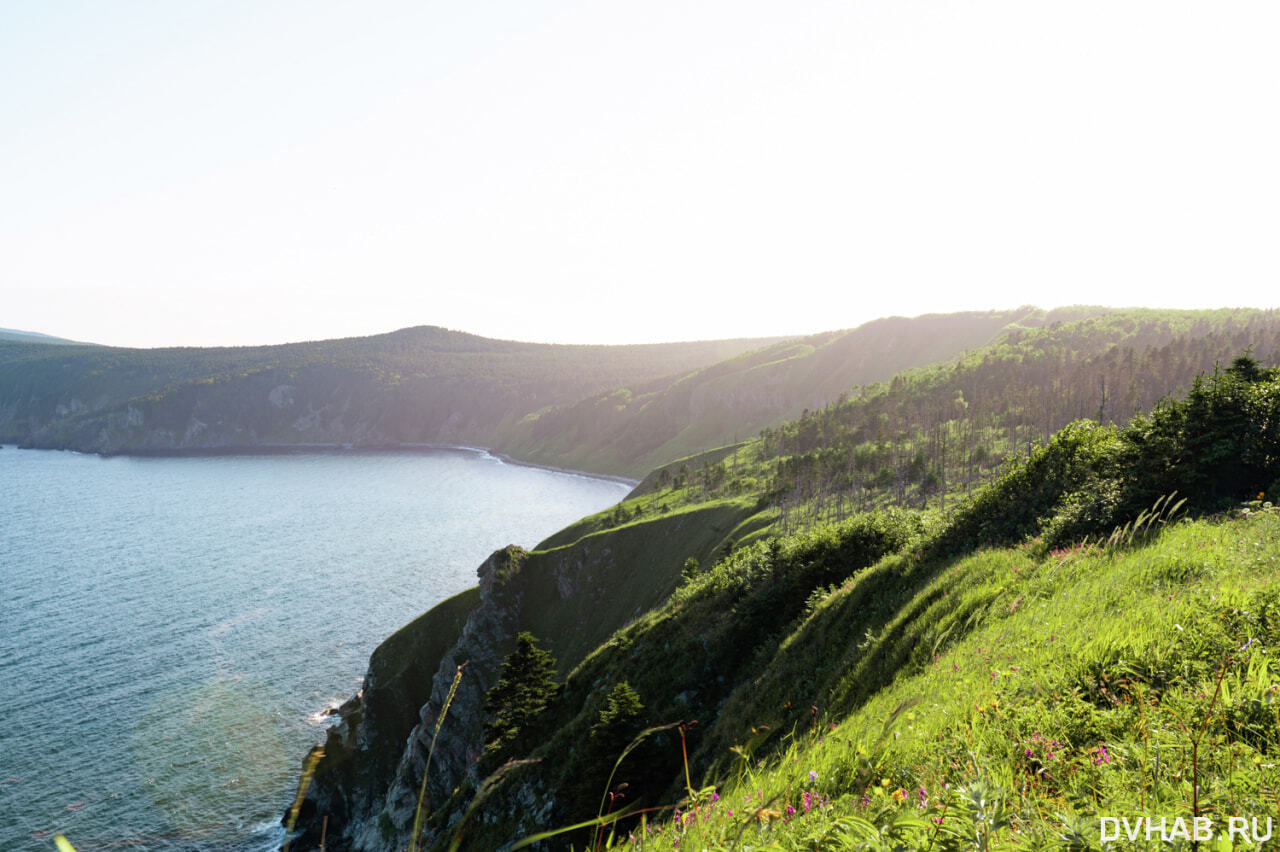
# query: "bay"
173,630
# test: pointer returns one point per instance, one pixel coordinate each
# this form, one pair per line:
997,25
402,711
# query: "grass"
1088,683
625,569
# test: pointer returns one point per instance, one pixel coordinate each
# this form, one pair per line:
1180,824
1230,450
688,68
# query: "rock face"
487,637
573,592
367,783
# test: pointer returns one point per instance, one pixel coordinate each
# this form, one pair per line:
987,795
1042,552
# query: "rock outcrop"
368,781
573,593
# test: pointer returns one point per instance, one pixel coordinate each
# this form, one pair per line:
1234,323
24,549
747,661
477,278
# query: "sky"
233,172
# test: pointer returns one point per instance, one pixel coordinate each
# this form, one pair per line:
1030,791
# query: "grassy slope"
792,635
753,649
1052,688
618,572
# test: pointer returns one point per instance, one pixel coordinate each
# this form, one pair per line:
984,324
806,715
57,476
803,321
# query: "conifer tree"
525,687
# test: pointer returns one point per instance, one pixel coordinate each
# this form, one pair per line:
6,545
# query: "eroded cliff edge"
572,592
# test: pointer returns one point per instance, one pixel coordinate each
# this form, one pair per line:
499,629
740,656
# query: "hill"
608,409
633,430
13,335
416,385
797,592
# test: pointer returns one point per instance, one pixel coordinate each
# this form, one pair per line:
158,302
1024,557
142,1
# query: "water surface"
172,630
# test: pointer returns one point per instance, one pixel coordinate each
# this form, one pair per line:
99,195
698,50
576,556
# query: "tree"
525,687
618,721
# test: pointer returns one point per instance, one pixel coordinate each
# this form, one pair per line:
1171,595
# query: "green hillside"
1046,691
998,678
781,591
626,410
633,430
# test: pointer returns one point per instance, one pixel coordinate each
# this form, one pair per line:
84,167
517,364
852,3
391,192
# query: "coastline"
303,448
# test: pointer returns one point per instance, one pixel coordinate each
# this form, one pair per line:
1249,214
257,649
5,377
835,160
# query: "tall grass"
1130,681
418,812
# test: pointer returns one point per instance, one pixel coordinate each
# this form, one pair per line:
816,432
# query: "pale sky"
225,172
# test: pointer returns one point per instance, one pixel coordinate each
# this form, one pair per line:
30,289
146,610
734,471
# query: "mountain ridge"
415,385
617,410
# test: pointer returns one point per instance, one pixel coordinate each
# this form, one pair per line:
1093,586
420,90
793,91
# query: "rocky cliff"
569,592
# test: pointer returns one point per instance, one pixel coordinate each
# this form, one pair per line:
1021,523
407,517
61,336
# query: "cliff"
574,590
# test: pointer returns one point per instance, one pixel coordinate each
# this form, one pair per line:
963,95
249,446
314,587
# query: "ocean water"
173,630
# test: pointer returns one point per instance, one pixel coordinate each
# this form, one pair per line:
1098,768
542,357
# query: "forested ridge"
422,384
933,434
607,409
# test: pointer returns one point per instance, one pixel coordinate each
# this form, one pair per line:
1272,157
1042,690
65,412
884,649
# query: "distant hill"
608,409
416,385
627,410
633,430
16,336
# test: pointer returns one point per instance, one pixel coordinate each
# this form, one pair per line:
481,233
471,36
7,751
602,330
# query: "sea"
175,631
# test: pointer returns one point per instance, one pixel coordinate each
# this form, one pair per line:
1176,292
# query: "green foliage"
1031,490
687,655
945,681
756,390
619,718
826,602
1079,690
526,685
933,436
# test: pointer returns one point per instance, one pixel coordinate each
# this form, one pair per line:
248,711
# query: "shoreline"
304,448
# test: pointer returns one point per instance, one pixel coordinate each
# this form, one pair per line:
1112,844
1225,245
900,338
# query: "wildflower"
806,801
813,776
900,795
1100,756
922,798
790,812
715,797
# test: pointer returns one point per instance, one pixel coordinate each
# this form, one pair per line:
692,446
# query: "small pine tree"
618,719
525,688
617,723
